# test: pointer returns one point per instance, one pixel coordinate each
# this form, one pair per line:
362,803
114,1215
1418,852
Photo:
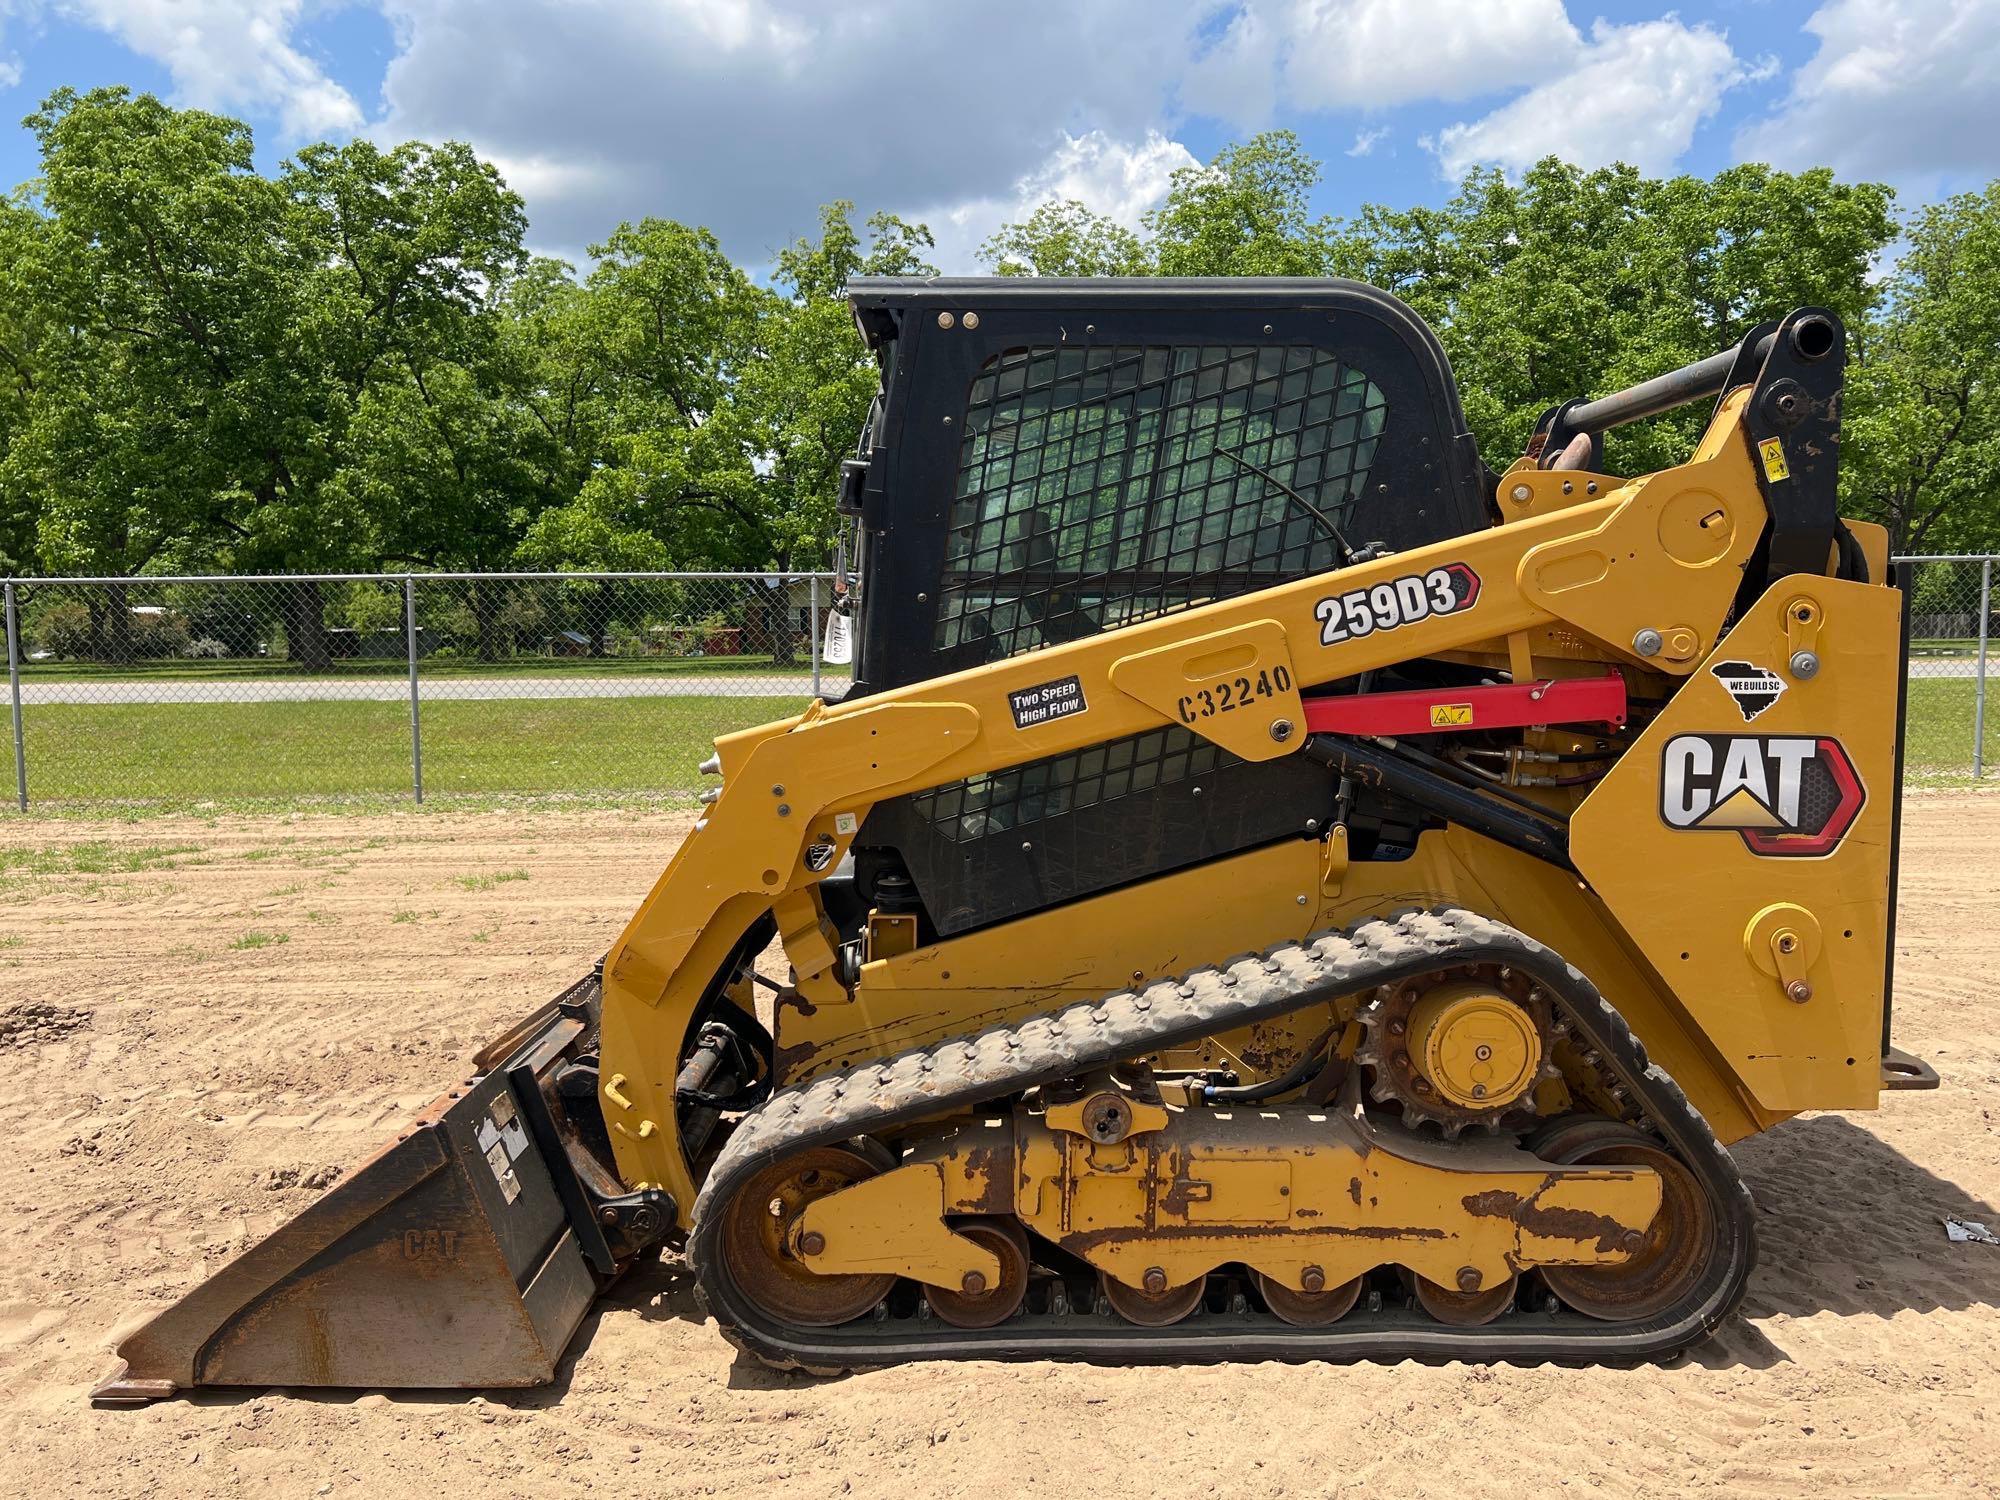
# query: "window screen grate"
1101,486
967,811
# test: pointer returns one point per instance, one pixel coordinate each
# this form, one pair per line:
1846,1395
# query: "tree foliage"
1922,449
1573,283
353,362
1569,283
1067,238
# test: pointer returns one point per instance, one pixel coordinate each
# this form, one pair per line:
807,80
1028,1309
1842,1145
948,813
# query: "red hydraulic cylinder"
1507,705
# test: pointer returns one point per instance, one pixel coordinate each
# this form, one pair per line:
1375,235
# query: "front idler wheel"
762,1244
1673,1252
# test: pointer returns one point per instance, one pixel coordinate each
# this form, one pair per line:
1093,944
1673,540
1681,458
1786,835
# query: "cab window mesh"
1101,486
967,811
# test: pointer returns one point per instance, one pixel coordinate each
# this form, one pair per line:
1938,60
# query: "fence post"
14,693
1979,693
812,625
416,715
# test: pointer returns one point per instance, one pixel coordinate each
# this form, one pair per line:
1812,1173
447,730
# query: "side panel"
1744,842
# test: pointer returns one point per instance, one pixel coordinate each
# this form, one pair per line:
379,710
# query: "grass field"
133,758
277,669
178,755
1937,738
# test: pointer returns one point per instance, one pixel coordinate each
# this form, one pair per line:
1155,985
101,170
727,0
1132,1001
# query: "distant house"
694,640
567,643
783,619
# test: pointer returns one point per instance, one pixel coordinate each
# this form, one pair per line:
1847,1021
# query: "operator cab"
1049,459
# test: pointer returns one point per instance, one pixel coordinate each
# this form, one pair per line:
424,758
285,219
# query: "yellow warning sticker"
1451,715
1772,451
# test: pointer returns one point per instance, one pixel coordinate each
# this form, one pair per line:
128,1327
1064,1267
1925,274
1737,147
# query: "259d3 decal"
1447,590
1792,795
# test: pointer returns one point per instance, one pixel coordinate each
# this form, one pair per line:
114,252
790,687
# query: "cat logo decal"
1785,795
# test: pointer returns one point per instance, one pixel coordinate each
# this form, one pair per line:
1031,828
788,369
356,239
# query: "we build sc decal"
1784,794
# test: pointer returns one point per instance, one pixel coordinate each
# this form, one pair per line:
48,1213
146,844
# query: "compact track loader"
1276,889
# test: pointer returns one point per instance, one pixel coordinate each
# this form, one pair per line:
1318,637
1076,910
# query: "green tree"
410,448
160,261
660,335
395,340
1565,283
247,360
1247,213
1066,238
1921,450
161,256
24,328
730,405
1575,283
803,400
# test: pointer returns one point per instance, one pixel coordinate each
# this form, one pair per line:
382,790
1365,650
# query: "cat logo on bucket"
1784,794
430,1244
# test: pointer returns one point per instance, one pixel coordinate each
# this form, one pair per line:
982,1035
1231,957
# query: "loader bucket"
448,1259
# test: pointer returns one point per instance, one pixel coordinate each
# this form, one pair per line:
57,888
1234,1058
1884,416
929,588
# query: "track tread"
1004,1060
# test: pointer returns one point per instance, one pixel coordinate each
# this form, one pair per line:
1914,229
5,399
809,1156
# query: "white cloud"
1117,179
1905,89
745,114
10,63
1630,93
236,55
1370,54
1365,141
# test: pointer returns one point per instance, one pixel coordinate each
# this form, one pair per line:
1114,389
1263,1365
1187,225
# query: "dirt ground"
200,1020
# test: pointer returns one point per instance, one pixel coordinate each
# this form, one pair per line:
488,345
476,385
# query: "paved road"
445,689
1952,666
434,690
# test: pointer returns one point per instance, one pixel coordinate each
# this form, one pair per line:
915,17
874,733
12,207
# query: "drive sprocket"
1465,1046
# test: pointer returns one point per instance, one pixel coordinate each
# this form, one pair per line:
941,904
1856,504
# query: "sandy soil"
200,1020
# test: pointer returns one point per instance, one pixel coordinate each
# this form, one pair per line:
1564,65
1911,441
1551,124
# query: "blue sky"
746,114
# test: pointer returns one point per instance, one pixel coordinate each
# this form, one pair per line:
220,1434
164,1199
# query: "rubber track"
964,1072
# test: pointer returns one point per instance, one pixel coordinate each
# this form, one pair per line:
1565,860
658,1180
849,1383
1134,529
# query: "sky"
746,115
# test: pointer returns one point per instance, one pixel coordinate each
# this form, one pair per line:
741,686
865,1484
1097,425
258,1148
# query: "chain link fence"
188,691
1948,733
193,690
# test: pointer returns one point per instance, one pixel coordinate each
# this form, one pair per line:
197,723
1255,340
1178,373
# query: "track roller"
1465,1309
983,1306
1309,1309
1151,1308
